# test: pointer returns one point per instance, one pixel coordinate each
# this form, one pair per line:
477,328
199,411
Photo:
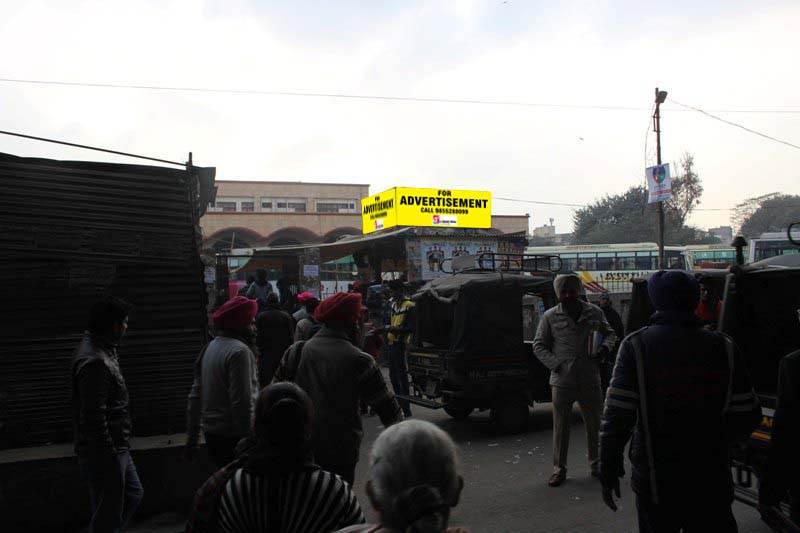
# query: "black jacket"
684,399
274,334
100,414
615,321
783,465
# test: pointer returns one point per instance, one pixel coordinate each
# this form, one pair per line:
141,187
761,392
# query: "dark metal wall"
71,232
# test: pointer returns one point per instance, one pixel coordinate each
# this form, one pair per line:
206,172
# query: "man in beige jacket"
572,339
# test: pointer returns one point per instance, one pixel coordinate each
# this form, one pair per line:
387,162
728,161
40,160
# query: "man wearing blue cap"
684,394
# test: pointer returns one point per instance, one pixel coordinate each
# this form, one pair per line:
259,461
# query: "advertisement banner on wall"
424,207
436,255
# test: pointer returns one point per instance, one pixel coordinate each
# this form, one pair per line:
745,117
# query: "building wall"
510,223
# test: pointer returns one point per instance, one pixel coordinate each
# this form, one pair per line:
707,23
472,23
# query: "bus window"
605,263
644,262
587,262
626,261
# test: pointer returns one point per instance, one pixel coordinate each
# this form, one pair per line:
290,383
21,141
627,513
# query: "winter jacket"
562,345
615,321
101,419
274,333
783,465
257,291
306,329
685,395
337,375
223,396
300,314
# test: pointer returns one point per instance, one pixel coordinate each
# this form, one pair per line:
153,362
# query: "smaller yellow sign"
378,211
409,206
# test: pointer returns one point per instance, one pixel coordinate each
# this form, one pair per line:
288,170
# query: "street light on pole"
661,96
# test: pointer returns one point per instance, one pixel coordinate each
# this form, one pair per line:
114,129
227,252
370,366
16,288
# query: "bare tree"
686,191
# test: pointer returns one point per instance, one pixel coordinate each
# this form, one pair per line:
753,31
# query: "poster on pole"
659,183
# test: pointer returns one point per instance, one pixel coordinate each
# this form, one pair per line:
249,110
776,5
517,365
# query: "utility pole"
660,97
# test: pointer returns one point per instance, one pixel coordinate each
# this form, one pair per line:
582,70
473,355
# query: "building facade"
271,213
723,233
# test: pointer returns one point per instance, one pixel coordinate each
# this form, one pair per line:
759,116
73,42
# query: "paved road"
506,480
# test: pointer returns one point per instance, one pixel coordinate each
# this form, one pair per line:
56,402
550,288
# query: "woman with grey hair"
415,480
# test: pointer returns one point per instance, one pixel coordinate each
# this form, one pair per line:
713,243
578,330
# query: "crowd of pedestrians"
278,399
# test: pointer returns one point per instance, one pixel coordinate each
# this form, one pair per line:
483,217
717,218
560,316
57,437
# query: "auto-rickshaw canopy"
478,313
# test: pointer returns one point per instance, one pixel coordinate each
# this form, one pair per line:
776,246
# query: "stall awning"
327,251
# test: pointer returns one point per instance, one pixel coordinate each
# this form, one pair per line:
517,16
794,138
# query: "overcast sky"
718,55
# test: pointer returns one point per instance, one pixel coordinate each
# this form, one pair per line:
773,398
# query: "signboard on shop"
409,206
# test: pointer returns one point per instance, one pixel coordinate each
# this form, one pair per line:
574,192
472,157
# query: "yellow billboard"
410,206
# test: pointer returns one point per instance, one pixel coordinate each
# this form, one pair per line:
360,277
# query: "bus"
611,267
703,256
772,244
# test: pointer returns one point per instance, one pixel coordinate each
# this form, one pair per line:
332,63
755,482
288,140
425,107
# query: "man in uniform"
571,340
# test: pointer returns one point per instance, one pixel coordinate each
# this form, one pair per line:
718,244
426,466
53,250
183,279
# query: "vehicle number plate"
430,387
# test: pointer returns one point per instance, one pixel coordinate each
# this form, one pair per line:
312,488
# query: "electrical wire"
363,96
538,202
87,147
745,128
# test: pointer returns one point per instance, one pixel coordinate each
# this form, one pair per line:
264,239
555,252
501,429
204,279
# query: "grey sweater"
223,395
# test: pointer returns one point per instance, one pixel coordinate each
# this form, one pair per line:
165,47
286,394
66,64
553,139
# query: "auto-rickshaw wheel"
510,413
458,410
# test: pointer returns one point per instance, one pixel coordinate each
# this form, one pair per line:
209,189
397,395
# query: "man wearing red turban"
225,383
338,376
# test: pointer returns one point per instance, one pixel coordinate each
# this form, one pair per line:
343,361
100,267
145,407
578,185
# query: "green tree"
774,213
627,217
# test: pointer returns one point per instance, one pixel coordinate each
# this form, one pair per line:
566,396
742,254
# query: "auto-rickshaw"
472,343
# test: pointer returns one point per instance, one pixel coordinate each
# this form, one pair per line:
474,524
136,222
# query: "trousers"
115,491
590,401
689,515
398,374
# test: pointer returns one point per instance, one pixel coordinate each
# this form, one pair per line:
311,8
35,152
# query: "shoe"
557,479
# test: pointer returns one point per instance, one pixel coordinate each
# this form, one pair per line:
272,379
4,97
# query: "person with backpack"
683,394
336,374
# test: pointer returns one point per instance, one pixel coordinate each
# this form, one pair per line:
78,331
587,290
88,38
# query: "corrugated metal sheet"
69,233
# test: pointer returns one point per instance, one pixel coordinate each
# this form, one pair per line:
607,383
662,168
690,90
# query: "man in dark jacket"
274,333
337,376
102,421
615,321
684,394
782,473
